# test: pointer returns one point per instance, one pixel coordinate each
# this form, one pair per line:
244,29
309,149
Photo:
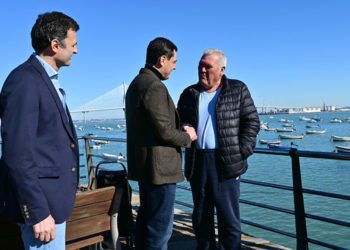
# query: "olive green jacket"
154,138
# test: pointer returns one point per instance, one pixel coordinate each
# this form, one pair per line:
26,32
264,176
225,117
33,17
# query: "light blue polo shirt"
207,127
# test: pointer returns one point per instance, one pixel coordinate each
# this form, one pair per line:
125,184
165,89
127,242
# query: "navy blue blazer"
39,167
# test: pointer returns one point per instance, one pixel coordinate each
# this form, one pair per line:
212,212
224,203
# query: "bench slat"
87,226
84,243
94,196
90,210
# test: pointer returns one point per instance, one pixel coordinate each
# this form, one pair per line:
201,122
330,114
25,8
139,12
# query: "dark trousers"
155,217
208,192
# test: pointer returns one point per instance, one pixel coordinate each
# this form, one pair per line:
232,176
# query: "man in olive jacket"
154,143
226,122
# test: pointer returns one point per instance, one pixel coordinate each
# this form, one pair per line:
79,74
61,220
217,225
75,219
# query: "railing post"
300,220
89,164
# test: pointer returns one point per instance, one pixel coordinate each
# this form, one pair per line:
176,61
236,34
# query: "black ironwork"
300,219
298,191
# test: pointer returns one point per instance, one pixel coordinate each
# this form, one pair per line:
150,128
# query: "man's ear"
160,62
55,44
223,70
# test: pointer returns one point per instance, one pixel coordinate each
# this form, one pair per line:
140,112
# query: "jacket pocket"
167,160
48,172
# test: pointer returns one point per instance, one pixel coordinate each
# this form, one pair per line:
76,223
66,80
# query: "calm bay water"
319,174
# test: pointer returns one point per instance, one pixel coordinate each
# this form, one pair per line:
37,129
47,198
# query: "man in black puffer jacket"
227,123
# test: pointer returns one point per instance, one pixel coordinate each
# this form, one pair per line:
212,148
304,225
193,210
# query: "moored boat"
342,149
315,132
100,141
291,136
340,138
281,130
261,141
312,126
270,129
336,120
279,147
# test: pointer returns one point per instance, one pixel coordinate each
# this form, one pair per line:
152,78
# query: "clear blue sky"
289,52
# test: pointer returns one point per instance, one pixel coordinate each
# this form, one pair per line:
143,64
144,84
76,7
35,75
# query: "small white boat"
287,125
315,132
279,147
120,126
261,141
281,130
114,157
342,149
312,126
340,138
291,137
264,126
100,141
311,121
94,146
303,118
336,120
286,120
270,129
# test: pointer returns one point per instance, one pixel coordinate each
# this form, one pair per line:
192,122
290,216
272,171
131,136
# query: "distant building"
329,108
303,110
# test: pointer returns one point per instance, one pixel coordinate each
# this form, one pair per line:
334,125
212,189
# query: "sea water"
318,174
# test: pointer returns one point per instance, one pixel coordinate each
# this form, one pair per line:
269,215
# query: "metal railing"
300,216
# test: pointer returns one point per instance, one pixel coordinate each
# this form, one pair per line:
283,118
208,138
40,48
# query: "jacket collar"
37,65
155,72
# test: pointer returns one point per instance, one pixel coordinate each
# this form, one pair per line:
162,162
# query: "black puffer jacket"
237,122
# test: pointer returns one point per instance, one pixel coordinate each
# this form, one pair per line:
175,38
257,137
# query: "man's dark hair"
158,47
50,26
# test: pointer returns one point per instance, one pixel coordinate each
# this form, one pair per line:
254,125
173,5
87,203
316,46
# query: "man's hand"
45,230
191,132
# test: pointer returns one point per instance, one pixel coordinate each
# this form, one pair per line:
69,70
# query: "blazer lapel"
54,95
71,124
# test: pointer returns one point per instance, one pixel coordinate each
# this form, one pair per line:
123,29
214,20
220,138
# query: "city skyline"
290,53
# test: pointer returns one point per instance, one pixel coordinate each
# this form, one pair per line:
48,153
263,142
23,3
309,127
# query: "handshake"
191,132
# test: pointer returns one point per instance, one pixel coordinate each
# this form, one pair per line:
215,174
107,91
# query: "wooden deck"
183,236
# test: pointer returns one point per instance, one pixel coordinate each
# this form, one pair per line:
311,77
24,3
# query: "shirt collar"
53,74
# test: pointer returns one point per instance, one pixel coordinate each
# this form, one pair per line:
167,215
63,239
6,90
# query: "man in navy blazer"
39,164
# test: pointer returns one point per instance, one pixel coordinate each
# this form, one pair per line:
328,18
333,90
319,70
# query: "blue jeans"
210,191
31,243
154,223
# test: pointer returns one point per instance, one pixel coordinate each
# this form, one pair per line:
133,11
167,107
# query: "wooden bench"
85,226
90,218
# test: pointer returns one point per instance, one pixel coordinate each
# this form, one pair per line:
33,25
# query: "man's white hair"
222,57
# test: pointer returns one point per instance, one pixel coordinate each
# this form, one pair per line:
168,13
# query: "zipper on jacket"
217,133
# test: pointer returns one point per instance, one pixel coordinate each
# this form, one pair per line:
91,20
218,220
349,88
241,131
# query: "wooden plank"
87,226
93,196
90,210
84,243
